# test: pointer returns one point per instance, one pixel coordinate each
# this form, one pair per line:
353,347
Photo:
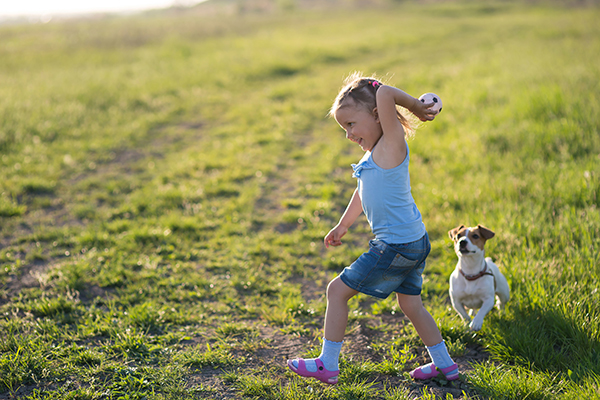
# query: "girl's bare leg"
413,308
336,316
336,319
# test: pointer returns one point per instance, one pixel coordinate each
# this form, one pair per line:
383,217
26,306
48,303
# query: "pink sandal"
322,374
431,371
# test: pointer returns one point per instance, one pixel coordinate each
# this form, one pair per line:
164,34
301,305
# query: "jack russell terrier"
476,282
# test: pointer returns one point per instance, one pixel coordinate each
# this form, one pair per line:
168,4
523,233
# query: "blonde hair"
362,90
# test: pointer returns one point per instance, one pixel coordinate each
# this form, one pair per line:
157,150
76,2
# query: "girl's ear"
376,114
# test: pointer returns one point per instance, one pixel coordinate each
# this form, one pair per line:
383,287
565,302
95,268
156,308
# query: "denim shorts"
388,268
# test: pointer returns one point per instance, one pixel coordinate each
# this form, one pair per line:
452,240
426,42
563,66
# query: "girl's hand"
335,235
422,111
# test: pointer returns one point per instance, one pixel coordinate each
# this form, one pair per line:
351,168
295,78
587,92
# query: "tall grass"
167,181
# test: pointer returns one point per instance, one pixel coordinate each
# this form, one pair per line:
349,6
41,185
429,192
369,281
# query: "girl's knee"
334,287
411,306
338,290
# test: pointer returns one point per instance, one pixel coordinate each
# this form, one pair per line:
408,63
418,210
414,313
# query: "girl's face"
361,126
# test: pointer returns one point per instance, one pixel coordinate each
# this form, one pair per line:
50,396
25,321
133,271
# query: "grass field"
167,180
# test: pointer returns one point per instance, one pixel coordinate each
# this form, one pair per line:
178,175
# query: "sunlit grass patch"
215,356
89,357
503,382
232,330
258,387
395,360
135,345
396,393
10,208
22,366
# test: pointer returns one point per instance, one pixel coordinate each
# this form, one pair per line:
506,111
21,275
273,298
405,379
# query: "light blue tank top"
387,201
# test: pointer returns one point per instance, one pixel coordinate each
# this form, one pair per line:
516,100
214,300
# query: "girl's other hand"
334,237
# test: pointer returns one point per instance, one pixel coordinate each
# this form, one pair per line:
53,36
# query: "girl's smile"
362,127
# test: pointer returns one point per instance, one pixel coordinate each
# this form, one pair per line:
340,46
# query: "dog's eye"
475,236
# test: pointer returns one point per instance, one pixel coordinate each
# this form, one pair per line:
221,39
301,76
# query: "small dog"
476,282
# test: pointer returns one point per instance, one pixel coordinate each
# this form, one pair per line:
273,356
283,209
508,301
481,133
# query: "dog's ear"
452,233
485,232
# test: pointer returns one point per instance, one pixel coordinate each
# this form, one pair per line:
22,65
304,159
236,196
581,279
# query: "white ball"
432,98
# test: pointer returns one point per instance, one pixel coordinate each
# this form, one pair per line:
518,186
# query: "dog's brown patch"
458,232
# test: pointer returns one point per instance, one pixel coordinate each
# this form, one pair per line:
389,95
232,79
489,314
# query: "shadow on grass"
546,340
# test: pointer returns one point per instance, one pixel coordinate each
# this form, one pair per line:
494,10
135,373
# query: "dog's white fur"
484,291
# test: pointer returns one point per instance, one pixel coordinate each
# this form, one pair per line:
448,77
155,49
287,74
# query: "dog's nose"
462,243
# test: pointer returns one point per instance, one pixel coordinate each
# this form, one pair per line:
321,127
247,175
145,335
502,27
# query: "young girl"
366,110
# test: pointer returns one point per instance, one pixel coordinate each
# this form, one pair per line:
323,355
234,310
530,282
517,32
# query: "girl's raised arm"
387,97
387,94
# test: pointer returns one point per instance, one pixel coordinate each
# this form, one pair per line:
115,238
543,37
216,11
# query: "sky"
14,8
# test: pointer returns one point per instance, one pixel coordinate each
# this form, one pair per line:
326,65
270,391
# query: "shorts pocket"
399,268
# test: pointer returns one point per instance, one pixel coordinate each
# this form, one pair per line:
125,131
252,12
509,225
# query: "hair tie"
375,84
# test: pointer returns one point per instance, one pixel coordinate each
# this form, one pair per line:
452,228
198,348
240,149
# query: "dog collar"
483,272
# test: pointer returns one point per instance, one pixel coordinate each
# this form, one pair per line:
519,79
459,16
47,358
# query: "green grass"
167,179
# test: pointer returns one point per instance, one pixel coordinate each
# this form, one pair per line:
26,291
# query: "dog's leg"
460,309
487,306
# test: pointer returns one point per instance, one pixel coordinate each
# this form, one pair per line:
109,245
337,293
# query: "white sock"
330,354
439,355
427,368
